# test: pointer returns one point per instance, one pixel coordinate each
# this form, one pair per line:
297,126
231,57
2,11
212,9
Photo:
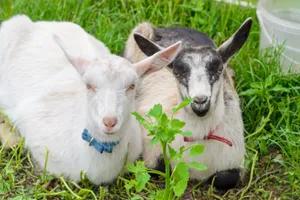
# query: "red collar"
210,136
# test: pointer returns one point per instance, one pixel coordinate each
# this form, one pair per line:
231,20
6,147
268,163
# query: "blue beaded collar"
99,146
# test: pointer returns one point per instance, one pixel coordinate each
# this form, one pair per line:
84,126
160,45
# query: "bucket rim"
277,20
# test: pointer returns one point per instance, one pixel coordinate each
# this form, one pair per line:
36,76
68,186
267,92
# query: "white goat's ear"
236,41
78,63
159,60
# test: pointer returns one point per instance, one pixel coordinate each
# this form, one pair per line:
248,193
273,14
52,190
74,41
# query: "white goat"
67,93
200,71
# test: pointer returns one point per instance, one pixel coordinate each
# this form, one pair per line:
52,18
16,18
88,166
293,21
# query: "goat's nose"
110,121
200,99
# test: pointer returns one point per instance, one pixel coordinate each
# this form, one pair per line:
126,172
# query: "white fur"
48,100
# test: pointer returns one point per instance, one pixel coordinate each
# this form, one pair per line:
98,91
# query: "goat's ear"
236,41
159,60
147,46
78,63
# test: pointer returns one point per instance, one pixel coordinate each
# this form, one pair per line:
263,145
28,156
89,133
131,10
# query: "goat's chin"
200,110
200,113
109,137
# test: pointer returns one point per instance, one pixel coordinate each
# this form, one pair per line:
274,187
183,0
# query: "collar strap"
99,146
210,136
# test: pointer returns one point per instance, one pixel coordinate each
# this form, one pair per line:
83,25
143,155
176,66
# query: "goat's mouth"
200,109
109,133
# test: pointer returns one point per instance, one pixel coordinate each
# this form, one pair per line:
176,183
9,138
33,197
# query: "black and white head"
199,70
109,85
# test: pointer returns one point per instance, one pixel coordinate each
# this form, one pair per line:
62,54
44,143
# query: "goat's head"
110,85
199,70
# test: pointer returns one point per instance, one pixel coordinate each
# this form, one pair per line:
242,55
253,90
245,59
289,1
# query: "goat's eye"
90,87
131,87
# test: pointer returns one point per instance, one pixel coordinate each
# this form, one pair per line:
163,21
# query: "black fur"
181,70
145,45
214,68
189,37
226,180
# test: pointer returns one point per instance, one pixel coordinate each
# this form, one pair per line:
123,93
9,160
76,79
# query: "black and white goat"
199,71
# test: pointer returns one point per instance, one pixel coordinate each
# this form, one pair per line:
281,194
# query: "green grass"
270,100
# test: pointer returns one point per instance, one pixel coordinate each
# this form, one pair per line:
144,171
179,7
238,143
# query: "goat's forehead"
111,71
198,64
114,64
199,57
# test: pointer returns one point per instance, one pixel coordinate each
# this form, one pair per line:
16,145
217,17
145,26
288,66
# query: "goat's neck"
200,126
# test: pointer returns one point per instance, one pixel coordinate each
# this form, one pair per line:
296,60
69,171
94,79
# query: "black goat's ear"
158,60
236,41
148,47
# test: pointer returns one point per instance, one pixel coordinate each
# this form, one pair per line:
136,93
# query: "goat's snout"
200,99
110,122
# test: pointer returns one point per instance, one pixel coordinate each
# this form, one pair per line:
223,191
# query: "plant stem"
167,168
150,171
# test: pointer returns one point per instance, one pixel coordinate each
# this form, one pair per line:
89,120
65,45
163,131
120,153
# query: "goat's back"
31,61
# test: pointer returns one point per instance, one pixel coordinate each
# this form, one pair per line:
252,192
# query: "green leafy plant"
163,130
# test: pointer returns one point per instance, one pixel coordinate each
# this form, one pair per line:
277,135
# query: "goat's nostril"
200,99
110,121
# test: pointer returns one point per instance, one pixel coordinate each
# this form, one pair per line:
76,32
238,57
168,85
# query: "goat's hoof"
225,180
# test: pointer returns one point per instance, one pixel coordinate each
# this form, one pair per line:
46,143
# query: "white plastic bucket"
280,24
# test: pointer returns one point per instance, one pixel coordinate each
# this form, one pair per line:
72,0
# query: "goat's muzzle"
200,108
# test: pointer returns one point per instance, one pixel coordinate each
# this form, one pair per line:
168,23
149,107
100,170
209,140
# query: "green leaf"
164,121
280,88
136,197
186,133
138,117
256,85
140,165
196,150
129,185
172,152
131,168
250,92
142,180
154,141
184,103
180,187
269,81
197,166
155,112
181,172
177,124
180,177
161,135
